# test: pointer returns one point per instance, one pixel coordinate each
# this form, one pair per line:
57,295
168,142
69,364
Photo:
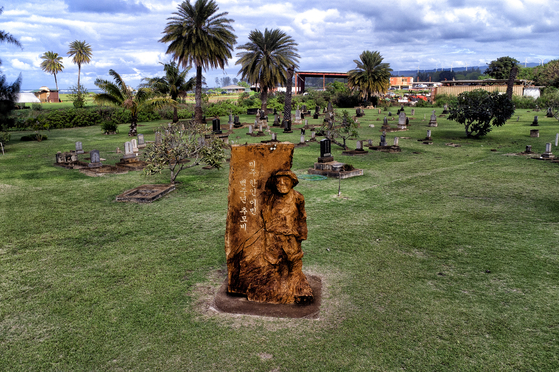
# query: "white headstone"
250,129
396,139
141,141
302,138
273,136
134,145
79,148
429,134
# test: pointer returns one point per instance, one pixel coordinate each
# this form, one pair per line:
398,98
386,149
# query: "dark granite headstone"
216,126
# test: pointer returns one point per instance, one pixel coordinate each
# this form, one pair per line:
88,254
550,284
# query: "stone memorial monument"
79,148
134,145
95,159
237,123
157,138
141,141
433,120
266,223
286,124
216,126
129,151
402,122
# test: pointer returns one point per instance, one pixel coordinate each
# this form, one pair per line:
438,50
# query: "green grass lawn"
437,259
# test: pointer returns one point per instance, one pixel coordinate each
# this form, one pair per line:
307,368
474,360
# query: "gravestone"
433,120
95,159
266,222
141,141
428,135
287,126
230,122
359,146
535,122
547,154
157,138
250,130
412,112
297,116
216,126
325,151
402,120
534,133
236,122
383,139
445,109
303,131
549,113
304,109
528,149
556,139
134,145
389,113
276,121
302,140
274,136
396,141
313,136
79,148
128,151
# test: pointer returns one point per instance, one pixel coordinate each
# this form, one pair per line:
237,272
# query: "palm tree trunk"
175,115
287,103
198,114
56,82
264,98
79,72
133,125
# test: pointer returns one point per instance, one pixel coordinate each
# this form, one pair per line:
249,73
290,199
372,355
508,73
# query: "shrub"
34,137
36,106
4,137
422,103
442,99
109,126
524,102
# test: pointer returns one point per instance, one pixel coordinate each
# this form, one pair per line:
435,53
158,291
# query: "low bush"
442,99
36,106
109,126
524,102
34,137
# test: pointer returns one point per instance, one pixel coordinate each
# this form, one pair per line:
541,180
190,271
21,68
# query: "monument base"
238,304
390,149
355,152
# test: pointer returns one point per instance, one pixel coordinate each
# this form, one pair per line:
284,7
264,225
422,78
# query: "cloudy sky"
409,34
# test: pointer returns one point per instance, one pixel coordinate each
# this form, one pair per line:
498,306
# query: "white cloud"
19,65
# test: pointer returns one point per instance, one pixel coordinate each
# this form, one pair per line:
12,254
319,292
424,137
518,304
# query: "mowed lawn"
439,258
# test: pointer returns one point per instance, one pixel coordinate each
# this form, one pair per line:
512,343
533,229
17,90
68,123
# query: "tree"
371,76
200,37
266,60
8,92
174,84
183,148
479,109
235,81
501,67
243,84
344,130
120,94
52,64
225,81
548,74
80,51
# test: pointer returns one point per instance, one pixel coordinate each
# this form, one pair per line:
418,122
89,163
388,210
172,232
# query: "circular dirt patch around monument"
238,304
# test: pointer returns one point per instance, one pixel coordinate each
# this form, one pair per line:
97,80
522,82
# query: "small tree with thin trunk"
182,147
344,129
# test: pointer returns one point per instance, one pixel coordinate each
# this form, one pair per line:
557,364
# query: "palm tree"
200,37
52,64
80,51
174,83
266,60
120,94
371,76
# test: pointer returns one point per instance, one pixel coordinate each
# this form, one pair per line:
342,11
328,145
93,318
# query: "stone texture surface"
266,222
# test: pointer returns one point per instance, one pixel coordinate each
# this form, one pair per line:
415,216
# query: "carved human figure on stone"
284,227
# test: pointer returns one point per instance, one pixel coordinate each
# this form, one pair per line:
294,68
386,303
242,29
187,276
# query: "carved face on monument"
284,184
285,181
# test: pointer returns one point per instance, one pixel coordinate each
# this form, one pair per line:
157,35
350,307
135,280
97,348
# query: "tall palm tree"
80,51
200,37
266,60
370,76
52,64
174,83
120,94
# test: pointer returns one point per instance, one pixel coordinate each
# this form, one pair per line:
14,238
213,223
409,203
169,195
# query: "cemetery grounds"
439,258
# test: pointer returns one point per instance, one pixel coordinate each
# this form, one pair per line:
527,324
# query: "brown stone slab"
238,304
145,193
